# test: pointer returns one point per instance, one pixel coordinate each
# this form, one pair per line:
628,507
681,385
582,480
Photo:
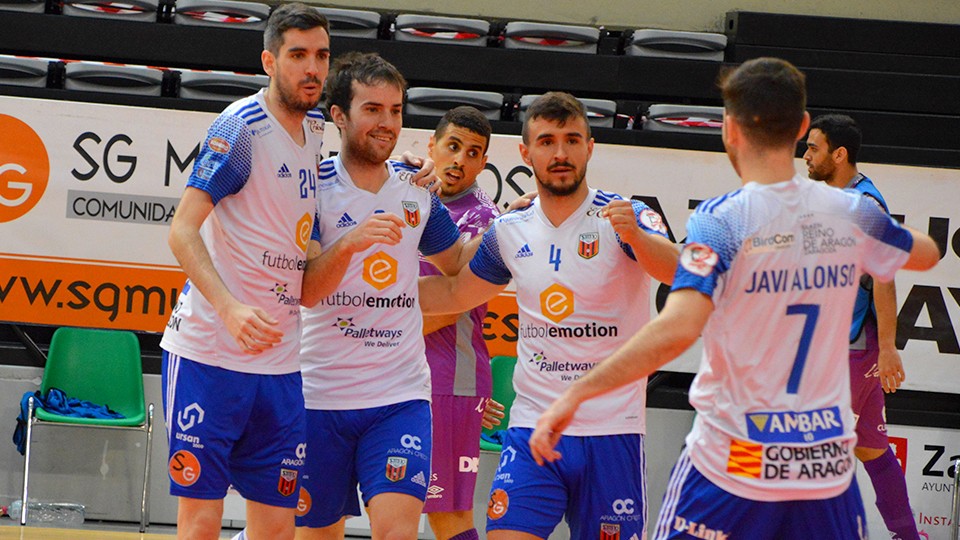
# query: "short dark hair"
288,16
767,97
555,106
466,117
840,130
368,69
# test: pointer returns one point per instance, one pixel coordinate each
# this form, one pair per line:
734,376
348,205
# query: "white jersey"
782,264
363,345
580,296
263,186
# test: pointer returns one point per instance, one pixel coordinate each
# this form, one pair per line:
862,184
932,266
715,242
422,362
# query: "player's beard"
820,174
291,101
563,190
361,149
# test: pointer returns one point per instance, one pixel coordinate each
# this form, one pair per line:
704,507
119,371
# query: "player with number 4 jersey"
769,275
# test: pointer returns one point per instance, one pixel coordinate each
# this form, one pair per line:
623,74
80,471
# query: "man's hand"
492,414
426,177
521,202
251,327
890,369
382,228
549,428
621,215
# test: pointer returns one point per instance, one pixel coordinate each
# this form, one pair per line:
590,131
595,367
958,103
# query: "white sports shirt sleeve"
781,263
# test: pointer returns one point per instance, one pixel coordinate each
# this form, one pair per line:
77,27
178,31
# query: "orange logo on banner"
184,468
304,227
556,302
304,503
380,270
24,168
498,505
746,458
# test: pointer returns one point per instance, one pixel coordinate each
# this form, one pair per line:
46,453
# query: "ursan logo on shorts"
24,168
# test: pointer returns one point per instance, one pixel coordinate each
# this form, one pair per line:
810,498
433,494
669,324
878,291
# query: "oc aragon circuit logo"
24,168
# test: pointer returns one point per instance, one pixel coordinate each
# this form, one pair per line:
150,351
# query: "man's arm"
250,326
455,294
432,323
888,364
325,268
657,255
457,256
924,254
664,338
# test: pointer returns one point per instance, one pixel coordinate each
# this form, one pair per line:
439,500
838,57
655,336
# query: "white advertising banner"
87,192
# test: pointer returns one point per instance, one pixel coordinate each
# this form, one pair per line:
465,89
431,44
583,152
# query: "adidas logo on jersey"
525,251
345,221
284,172
419,479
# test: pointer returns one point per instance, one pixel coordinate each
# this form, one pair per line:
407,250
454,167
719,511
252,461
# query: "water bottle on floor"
49,514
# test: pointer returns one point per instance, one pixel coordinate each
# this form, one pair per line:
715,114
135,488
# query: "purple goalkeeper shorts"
866,393
456,452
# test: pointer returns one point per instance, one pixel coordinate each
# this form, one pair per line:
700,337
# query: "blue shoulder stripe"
246,109
314,113
709,205
252,121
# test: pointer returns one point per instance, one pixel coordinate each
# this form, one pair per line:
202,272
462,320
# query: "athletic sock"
892,498
470,534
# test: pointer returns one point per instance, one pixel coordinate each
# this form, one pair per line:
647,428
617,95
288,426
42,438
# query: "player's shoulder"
516,217
248,109
722,205
327,175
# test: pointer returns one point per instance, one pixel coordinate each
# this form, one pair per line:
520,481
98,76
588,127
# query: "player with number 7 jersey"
772,423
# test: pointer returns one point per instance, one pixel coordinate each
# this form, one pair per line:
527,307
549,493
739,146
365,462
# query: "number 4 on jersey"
555,257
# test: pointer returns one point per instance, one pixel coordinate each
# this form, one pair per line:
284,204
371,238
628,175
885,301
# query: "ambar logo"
24,168
556,302
304,227
380,270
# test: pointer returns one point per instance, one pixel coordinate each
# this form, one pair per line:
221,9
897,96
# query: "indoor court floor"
9,530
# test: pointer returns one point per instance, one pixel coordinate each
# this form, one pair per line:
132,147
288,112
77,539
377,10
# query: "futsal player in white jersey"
768,275
581,260
366,380
231,373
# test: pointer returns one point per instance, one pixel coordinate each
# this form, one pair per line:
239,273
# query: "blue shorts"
598,484
384,449
695,507
224,428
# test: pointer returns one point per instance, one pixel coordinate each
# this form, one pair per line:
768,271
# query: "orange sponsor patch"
304,503
184,468
498,505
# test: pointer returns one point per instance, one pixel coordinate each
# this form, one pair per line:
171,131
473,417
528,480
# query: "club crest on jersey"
698,259
396,468
288,482
652,221
609,531
589,245
411,213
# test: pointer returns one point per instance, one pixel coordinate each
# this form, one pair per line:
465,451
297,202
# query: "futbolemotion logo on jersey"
792,445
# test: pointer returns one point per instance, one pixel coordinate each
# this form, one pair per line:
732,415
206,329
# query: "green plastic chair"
104,367
502,368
